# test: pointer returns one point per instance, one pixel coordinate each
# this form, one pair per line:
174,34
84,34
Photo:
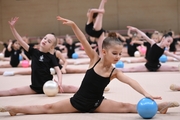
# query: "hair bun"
170,33
112,34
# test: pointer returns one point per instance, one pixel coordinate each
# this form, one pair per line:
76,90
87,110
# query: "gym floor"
156,83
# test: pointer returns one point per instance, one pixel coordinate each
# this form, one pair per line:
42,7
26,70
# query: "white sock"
8,73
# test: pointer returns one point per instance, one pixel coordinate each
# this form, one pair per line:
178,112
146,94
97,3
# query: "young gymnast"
5,51
16,52
71,46
155,52
132,43
93,26
61,45
60,59
42,61
156,37
89,97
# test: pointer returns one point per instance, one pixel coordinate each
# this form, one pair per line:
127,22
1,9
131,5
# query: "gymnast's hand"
63,70
13,21
60,86
132,28
65,21
152,97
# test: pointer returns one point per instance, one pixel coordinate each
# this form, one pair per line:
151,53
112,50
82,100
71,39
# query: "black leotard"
7,53
131,49
90,94
70,49
91,32
154,54
14,62
148,46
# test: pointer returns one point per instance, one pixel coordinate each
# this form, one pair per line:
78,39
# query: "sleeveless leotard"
152,58
90,94
91,32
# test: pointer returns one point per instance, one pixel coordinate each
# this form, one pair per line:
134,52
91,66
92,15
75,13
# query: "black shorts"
60,66
14,64
84,105
152,67
38,90
92,32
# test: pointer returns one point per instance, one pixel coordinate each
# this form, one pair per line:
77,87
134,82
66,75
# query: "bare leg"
70,89
82,56
68,62
175,87
63,106
1,72
23,72
17,91
76,70
7,65
98,26
110,106
125,55
137,60
5,59
107,106
81,62
140,68
98,22
168,68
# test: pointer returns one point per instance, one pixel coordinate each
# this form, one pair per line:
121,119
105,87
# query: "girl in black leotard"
71,46
93,26
5,51
15,51
89,97
42,61
156,37
155,52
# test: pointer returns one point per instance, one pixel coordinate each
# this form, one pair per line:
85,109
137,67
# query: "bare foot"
174,87
163,107
8,109
104,1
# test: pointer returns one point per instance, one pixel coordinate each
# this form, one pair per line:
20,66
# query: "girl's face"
16,45
113,53
47,43
166,42
69,40
61,41
155,38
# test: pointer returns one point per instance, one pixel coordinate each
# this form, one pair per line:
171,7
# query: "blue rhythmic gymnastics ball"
147,108
163,58
119,64
74,55
20,57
